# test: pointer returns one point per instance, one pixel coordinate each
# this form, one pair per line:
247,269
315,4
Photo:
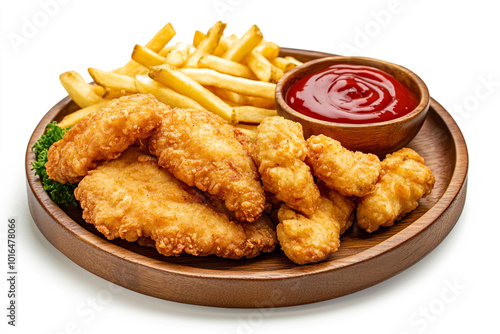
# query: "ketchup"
351,94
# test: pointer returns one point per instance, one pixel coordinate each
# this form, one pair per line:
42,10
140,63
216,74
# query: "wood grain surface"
269,280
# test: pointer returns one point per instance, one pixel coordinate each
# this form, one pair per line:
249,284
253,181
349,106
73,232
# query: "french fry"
224,44
166,50
115,93
245,100
112,81
293,60
269,50
75,117
249,130
250,114
146,57
179,54
281,63
98,89
146,85
131,68
208,77
285,63
82,93
183,84
208,45
238,50
227,41
225,66
198,37
262,68
161,38
156,44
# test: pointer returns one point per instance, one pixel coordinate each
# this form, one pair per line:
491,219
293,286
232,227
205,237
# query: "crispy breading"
345,207
247,144
405,180
202,149
103,135
350,173
133,198
309,239
280,152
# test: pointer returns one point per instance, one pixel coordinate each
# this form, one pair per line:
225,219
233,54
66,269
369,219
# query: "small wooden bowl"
378,138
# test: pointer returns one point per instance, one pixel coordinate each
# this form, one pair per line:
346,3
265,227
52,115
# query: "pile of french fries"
232,77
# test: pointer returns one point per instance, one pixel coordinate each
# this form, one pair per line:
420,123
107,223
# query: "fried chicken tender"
404,181
309,239
202,149
132,198
280,153
350,173
103,136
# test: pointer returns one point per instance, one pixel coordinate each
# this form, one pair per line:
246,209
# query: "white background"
452,45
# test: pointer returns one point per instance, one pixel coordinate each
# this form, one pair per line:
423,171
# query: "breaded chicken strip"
133,198
350,173
280,153
103,136
308,239
201,149
404,181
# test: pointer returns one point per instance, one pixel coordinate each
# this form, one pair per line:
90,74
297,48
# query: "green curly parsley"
60,193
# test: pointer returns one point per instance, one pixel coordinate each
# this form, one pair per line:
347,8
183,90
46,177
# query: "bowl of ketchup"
368,105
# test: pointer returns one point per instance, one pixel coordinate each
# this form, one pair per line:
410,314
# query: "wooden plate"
268,280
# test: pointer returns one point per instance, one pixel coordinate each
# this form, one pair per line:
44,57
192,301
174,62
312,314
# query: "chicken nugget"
350,173
345,207
308,239
103,136
405,180
280,153
132,198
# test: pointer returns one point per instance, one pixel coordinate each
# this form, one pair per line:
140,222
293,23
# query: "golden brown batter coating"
350,173
103,135
133,198
280,152
202,149
308,239
404,181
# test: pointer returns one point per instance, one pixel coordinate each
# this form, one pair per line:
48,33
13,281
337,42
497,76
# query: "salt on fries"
232,77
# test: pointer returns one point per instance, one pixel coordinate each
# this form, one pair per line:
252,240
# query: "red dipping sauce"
355,94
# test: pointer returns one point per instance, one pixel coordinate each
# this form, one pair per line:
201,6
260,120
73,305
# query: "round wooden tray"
269,280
